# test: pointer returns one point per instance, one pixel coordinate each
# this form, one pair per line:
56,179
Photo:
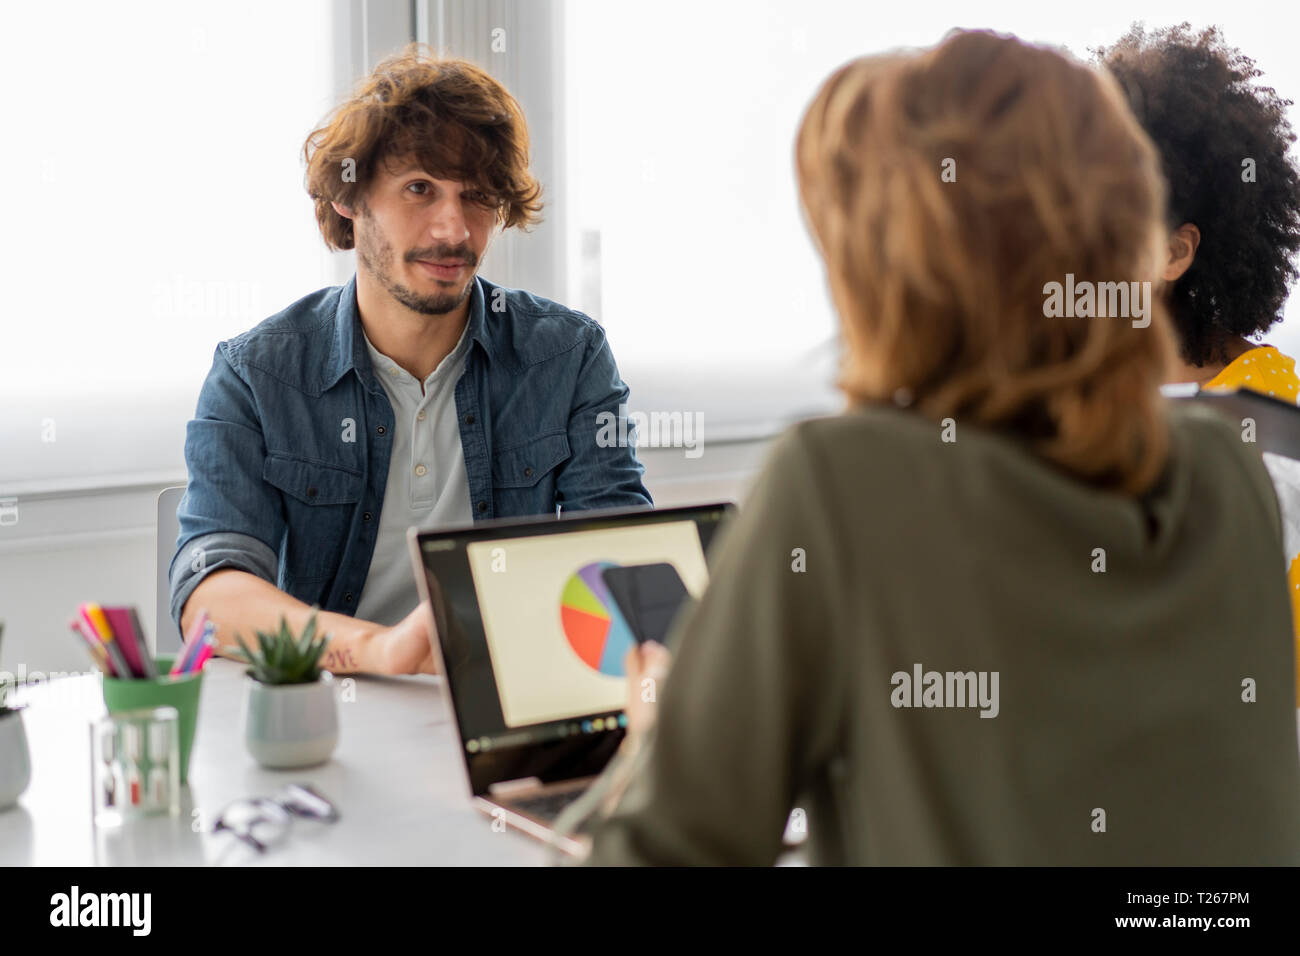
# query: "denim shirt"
289,448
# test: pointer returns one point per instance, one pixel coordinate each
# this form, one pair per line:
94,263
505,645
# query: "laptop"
531,640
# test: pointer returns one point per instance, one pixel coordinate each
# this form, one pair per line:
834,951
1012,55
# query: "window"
154,207
155,201
686,235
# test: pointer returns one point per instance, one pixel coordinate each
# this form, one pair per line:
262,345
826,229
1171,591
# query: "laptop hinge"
511,786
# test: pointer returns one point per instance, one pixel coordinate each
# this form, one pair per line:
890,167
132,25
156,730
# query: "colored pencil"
96,649
197,630
150,668
93,614
205,652
124,633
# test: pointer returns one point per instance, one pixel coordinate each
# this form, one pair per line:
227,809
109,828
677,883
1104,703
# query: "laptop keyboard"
547,806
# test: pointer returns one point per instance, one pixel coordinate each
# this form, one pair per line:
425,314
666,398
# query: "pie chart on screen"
592,623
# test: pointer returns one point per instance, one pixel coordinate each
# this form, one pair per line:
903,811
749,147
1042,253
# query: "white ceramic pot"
291,725
15,762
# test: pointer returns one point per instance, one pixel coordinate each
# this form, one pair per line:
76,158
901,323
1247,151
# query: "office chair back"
167,637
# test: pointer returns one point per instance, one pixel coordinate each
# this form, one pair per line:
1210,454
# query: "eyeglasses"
262,822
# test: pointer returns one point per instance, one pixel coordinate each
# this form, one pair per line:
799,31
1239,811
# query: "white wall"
44,575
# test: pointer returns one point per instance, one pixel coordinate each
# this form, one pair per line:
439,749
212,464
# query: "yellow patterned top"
1267,370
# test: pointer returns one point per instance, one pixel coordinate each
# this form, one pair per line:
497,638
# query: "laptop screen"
533,633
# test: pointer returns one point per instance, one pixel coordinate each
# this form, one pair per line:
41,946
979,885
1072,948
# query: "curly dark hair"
1197,99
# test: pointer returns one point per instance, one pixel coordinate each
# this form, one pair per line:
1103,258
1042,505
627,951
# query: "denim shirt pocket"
320,502
523,475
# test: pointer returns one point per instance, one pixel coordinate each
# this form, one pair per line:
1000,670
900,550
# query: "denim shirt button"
469,419
366,516
311,492
482,506
528,473
347,598
382,430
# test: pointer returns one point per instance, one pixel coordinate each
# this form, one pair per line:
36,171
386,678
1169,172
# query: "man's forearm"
241,603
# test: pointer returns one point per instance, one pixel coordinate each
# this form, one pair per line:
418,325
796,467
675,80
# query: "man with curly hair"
418,393
1233,216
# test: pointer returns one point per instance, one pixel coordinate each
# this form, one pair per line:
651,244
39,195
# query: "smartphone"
648,595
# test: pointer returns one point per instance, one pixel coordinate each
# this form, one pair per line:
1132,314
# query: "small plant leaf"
282,657
313,665
265,646
244,653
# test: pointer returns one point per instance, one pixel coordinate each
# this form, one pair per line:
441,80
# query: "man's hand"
646,666
405,647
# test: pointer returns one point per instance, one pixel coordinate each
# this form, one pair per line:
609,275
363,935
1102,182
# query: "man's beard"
376,256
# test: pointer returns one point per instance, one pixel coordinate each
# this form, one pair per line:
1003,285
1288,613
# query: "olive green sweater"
1124,635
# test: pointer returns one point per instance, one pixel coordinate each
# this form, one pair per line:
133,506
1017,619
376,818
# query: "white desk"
396,779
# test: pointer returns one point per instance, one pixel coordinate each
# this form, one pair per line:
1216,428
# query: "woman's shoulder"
1263,369
886,426
865,434
1203,433
882,422
884,446
1225,463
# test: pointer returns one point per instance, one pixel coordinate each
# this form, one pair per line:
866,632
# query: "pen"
209,630
129,638
205,651
105,636
97,617
97,652
146,661
197,632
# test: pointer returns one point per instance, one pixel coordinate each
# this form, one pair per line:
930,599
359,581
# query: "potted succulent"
15,761
292,717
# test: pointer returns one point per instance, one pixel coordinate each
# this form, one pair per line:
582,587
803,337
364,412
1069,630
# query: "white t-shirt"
427,485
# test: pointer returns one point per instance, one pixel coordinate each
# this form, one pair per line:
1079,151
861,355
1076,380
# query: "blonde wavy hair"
940,285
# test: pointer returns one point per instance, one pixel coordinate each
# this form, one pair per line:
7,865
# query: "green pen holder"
181,692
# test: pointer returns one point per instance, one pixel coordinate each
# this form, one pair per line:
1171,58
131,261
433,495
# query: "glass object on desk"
135,765
262,822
